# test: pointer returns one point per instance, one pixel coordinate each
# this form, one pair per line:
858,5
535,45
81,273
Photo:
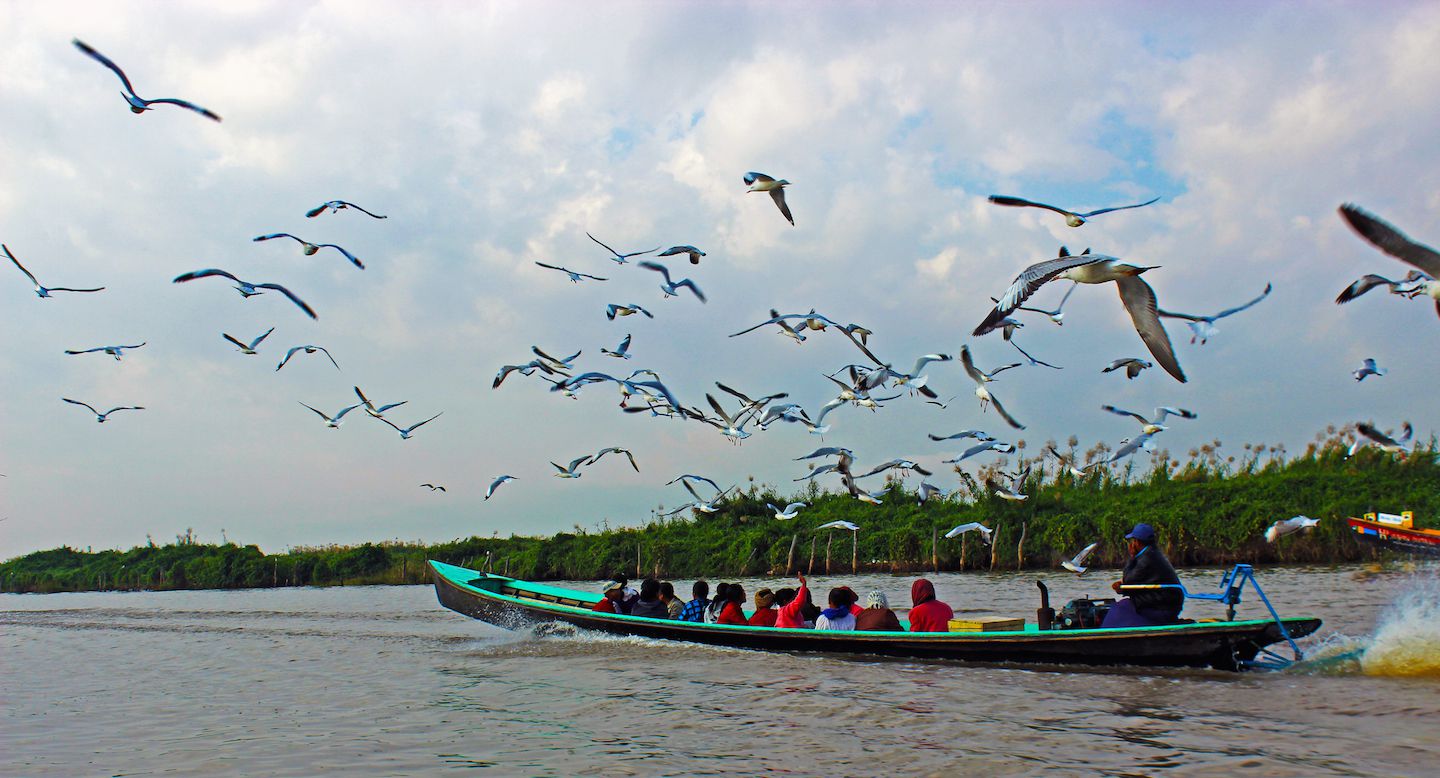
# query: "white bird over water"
1368,368
496,484
137,103
250,348
973,526
1152,425
1202,327
671,288
406,432
981,378
1288,526
101,417
759,182
1132,365
839,525
574,276
1077,564
788,512
1071,217
690,251
334,422
620,259
245,288
43,291
310,248
113,351
308,349
1392,241
335,206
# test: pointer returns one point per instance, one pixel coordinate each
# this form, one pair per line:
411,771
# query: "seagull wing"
86,405
288,354
1385,237
1239,308
969,364
86,351
1021,202
1139,300
607,248
1084,553
1362,285
778,195
362,210
555,267
752,177
1004,414
275,235
321,413
332,360
104,60
659,268
1161,413
316,211
206,112
257,341
27,273
691,284
414,427
1025,284
353,260
365,401
206,273
1118,208
1123,412
236,342
1033,360
282,290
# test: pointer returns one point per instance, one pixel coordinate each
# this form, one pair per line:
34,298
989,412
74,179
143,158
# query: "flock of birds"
870,382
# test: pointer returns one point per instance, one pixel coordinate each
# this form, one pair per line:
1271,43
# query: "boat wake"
1405,643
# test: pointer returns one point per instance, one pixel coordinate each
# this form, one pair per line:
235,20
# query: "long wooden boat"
1228,645
1397,531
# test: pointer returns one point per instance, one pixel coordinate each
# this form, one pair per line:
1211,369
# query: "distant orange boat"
1396,531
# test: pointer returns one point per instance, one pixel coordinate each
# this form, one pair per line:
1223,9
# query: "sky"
495,135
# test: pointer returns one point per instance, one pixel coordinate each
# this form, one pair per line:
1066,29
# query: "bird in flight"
973,526
621,351
370,407
335,206
406,432
113,351
1369,368
1372,434
574,276
1288,526
1202,327
620,259
672,288
433,487
245,288
612,310
1132,365
615,450
981,378
1392,241
759,182
101,417
334,422
137,103
788,512
1071,217
1077,564
496,484
1152,425
308,349
694,253
43,291
310,248
840,525
247,349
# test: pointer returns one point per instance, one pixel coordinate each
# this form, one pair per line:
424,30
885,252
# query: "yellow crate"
987,624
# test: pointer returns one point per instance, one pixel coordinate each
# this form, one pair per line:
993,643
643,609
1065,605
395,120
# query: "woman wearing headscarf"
722,596
765,612
877,616
732,611
928,614
838,615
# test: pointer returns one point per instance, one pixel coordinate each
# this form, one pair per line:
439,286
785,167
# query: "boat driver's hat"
612,586
1143,533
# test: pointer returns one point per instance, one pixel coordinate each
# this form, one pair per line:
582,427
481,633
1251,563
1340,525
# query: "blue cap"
1143,533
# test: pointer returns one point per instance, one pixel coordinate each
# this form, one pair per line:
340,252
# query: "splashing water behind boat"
1407,639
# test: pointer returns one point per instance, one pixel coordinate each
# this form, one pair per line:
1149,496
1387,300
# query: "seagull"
1071,218
896,464
1293,524
1149,426
334,422
1202,327
973,526
1077,564
250,349
1127,447
928,490
873,498
759,182
574,276
525,369
839,525
788,512
310,248
1132,365
621,351
1033,361
1055,315
245,288
1371,434
1367,369
137,103
407,431
335,206
689,477
43,291
556,365
1003,448
981,378
370,407
1067,461
705,506
733,426
113,351
101,417
614,450
671,288
1012,494
694,253
573,469
820,470
620,259
1395,243
433,487
1369,281
496,484
1135,294
308,349
612,310
976,434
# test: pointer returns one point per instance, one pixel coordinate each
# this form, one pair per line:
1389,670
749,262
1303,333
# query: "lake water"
383,681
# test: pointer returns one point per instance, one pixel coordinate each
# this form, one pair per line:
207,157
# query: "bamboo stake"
811,567
637,559
995,545
1020,547
854,553
935,550
828,542
790,560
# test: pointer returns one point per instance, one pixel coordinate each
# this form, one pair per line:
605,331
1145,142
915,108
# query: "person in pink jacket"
790,615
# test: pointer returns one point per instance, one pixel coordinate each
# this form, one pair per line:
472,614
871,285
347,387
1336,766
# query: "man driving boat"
1147,565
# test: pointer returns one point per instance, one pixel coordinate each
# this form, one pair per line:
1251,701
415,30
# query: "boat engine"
1084,613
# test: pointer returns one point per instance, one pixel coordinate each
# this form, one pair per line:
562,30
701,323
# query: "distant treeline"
1212,509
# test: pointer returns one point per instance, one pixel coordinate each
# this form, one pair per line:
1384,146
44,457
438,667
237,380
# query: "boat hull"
1423,541
513,604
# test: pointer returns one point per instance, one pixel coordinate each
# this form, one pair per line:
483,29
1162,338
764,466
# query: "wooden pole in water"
854,553
995,545
637,559
790,560
963,539
404,568
1020,547
811,567
828,542
935,550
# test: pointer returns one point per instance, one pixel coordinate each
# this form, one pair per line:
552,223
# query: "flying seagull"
245,288
1056,315
1369,281
842,524
671,288
1152,425
113,351
571,470
927,491
615,450
1135,294
1385,237
619,259
1369,368
101,417
973,526
137,103
759,182
496,484
1067,461
976,434
1071,217
43,291
308,349
980,448
1293,524
310,248
981,378
1077,565
694,253
788,512
335,206
1202,327
689,477
612,310
621,351
1372,434
247,349
334,422
574,276
405,432
432,487
896,464
1132,365
370,407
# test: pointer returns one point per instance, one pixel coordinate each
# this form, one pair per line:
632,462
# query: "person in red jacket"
732,612
791,614
928,614
765,612
610,603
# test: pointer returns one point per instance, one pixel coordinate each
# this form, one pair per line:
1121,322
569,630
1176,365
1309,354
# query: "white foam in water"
1407,639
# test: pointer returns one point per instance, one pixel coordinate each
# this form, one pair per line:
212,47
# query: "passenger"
854,601
722,596
877,616
733,610
649,603
809,611
630,595
673,605
695,609
790,615
764,615
1150,607
838,615
610,602
928,614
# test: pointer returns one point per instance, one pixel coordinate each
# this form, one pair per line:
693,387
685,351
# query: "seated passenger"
722,596
628,595
928,614
1149,607
733,610
649,603
838,615
765,612
610,602
877,616
695,609
790,615
673,605
854,601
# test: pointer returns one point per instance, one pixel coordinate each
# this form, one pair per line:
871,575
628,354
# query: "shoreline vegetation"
1212,509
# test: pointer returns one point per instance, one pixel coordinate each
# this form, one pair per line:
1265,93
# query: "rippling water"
381,680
